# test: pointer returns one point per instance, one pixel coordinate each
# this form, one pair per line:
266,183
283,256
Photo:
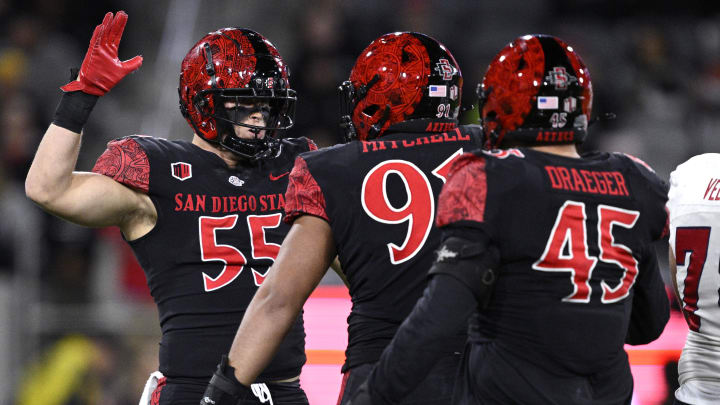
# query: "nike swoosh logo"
273,178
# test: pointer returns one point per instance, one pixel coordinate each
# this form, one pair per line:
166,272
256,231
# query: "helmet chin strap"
251,150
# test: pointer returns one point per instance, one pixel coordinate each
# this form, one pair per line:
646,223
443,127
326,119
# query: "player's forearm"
50,174
650,306
265,324
303,259
438,317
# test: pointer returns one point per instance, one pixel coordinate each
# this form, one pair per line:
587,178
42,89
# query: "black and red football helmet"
402,80
242,67
536,91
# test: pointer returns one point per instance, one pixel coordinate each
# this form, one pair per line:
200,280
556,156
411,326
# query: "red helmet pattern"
240,65
536,91
399,78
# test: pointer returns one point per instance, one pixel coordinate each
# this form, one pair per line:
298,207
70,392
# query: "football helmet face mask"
404,79
536,91
238,68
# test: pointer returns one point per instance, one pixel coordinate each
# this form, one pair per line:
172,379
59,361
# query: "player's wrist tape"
74,109
224,388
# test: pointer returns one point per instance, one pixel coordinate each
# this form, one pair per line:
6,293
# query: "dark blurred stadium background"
73,304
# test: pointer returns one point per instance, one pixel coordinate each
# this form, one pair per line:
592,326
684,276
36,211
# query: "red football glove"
101,69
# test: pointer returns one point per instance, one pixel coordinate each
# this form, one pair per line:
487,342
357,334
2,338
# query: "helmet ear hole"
522,64
407,56
371,110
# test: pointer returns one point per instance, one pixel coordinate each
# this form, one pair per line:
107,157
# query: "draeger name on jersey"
587,181
231,203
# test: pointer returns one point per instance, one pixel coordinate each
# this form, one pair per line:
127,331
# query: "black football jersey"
218,231
574,235
379,198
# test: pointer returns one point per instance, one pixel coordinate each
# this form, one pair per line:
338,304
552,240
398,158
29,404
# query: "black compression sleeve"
439,315
650,305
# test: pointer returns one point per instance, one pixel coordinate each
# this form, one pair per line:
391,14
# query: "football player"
372,202
694,207
549,251
203,217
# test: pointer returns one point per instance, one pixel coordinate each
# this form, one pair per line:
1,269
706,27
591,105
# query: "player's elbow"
45,192
37,191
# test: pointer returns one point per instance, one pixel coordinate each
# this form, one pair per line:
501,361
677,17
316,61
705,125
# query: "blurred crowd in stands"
655,64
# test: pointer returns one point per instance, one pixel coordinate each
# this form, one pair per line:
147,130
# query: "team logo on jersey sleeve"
181,170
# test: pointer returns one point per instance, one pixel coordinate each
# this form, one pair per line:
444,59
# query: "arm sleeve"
463,197
439,315
126,162
303,195
650,306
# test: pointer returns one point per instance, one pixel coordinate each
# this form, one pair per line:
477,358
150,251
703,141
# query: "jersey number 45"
567,250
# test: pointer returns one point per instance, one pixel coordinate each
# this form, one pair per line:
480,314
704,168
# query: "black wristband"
225,389
74,110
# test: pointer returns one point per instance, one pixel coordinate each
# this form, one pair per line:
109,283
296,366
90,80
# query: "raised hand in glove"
101,69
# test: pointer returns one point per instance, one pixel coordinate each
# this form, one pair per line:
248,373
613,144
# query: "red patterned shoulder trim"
639,161
311,144
303,195
463,196
125,161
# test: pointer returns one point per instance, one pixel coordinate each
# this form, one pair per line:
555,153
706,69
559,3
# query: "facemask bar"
350,96
281,103
347,104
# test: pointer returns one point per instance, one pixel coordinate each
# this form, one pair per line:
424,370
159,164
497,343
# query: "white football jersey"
694,205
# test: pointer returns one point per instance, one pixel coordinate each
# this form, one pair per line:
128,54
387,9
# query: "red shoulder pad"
125,161
463,196
303,195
